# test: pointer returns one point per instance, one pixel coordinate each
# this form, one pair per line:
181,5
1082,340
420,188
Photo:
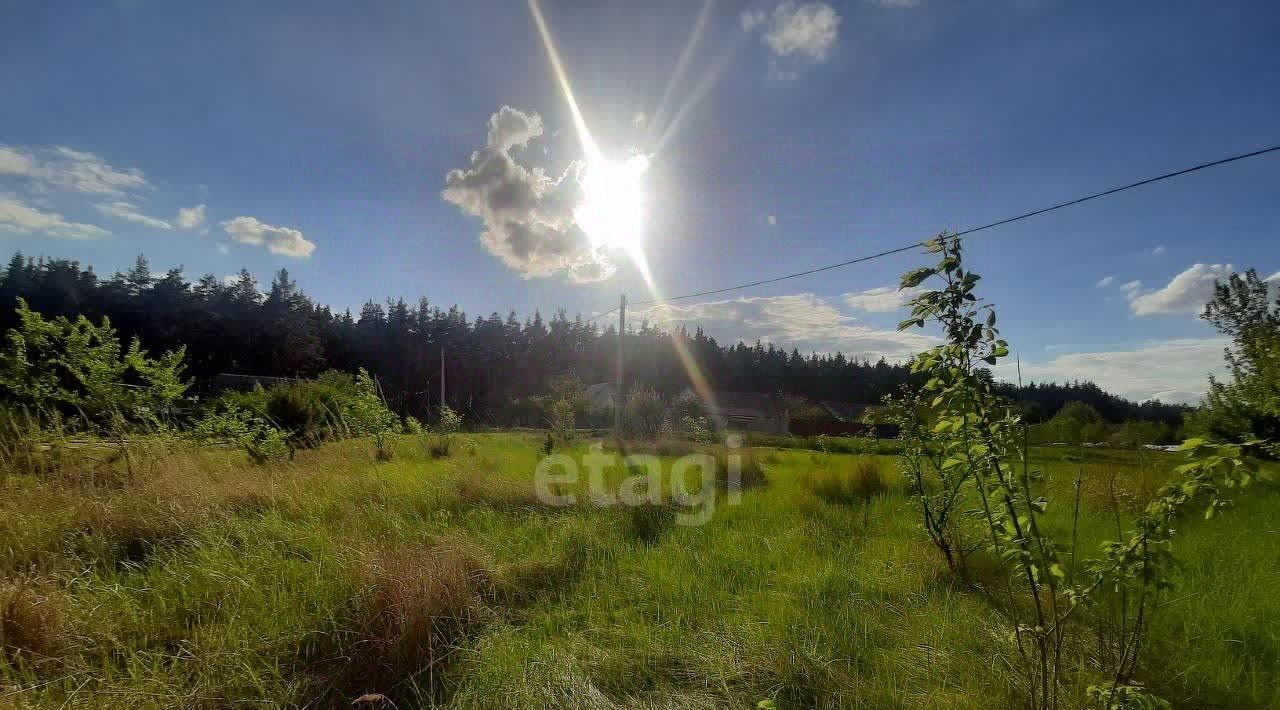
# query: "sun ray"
682,66
618,182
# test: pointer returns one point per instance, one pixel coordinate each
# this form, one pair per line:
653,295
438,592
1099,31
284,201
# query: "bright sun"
612,209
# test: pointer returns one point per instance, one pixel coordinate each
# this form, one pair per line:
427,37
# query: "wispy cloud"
1174,370
129,212
69,169
804,321
884,299
20,218
1105,281
278,240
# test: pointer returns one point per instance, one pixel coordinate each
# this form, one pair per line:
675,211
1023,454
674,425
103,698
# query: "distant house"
601,396
224,381
747,411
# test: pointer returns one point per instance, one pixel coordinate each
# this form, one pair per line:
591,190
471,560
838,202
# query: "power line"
963,233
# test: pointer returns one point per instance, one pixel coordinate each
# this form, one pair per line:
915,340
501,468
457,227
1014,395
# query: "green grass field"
202,581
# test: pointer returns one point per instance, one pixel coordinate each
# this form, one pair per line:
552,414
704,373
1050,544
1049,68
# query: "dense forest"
489,362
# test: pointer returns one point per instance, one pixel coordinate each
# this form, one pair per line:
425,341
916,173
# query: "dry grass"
33,621
421,605
1124,491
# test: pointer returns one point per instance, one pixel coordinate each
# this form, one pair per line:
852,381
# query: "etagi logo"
694,481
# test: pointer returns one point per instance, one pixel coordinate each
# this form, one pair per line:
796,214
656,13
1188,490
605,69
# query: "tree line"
490,363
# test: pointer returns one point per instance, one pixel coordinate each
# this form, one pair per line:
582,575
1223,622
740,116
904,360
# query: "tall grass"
321,580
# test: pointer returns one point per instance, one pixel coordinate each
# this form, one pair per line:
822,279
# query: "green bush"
229,423
561,420
308,412
644,413
79,369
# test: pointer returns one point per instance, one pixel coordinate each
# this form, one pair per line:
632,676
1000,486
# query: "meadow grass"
442,581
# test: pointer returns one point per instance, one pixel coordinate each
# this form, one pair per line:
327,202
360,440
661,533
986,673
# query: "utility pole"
617,395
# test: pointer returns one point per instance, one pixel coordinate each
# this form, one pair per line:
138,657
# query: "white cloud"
772,220
1274,278
129,212
803,321
1186,293
884,299
70,169
20,218
1105,281
807,30
278,240
795,32
1170,370
1131,286
191,217
223,249
897,3
1158,250
638,119
751,19
528,216
15,162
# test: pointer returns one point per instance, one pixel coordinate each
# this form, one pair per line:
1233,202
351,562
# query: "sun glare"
612,209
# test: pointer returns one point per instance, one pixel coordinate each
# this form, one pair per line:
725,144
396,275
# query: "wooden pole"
617,394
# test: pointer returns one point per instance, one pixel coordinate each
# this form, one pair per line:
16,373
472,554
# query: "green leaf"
915,277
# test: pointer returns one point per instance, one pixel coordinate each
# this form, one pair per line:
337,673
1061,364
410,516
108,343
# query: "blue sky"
319,136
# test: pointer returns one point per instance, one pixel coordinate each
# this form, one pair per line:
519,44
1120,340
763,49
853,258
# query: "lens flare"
612,209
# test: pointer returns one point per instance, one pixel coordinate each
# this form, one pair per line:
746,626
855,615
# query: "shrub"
450,421
561,420
80,369
413,426
308,412
250,432
643,414
369,415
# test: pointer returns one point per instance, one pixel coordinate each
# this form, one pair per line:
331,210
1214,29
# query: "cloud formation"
884,299
1105,281
129,212
277,240
19,218
527,215
1174,371
795,34
191,217
1185,294
803,321
69,169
